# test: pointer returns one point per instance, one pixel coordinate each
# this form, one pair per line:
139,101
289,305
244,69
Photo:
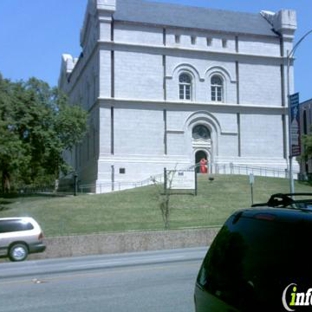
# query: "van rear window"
257,257
7,226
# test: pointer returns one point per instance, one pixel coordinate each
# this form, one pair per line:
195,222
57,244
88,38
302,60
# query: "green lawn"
138,209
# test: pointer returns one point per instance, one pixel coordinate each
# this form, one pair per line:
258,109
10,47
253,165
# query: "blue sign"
294,131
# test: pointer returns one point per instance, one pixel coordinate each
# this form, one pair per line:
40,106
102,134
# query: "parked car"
20,237
260,260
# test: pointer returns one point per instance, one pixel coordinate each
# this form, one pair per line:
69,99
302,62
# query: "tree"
164,195
36,125
306,151
9,139
307,143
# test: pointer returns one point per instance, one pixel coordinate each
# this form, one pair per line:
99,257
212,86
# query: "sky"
35,33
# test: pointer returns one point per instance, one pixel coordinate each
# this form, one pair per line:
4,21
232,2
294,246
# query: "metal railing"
246,170
213,169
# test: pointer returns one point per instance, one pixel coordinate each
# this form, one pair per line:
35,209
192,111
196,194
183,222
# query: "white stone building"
166,85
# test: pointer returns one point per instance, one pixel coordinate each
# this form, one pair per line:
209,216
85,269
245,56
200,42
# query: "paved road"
151,281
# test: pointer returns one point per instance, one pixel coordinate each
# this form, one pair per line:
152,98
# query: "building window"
224,43
216,89
185,87
209,42
201,132
122,170
193,40
177,38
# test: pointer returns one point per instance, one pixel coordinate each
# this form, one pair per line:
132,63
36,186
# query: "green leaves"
36,125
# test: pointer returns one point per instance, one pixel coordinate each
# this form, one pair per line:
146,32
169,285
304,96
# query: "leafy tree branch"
37,124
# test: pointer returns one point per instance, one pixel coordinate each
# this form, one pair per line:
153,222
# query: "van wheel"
18,252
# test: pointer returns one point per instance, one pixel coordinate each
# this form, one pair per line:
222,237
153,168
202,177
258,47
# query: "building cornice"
226,107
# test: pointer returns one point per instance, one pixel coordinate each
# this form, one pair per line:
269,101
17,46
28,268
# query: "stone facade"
166,85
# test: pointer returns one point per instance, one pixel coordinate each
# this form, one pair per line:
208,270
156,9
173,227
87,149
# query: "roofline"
214,31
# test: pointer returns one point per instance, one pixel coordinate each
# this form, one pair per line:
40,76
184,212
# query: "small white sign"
251,178
181,180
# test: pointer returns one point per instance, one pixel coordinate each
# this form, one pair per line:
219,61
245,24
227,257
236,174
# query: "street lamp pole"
290,55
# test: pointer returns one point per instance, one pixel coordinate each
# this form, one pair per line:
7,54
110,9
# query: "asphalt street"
161,281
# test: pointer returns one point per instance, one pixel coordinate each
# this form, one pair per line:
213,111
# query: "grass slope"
138,209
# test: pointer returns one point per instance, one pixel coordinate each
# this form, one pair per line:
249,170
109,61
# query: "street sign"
251,182
251,178
294,131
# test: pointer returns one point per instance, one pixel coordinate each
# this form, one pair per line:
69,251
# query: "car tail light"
40,236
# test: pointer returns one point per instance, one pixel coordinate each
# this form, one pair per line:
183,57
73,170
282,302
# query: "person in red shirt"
203,166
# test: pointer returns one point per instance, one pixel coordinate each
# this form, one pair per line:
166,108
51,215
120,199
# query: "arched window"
201,132
185,87
216,89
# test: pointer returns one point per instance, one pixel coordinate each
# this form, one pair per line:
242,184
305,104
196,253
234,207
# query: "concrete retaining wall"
72,246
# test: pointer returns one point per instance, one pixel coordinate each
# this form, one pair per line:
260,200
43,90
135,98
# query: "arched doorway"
199,155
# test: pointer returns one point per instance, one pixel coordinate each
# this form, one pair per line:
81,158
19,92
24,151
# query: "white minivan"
19,237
